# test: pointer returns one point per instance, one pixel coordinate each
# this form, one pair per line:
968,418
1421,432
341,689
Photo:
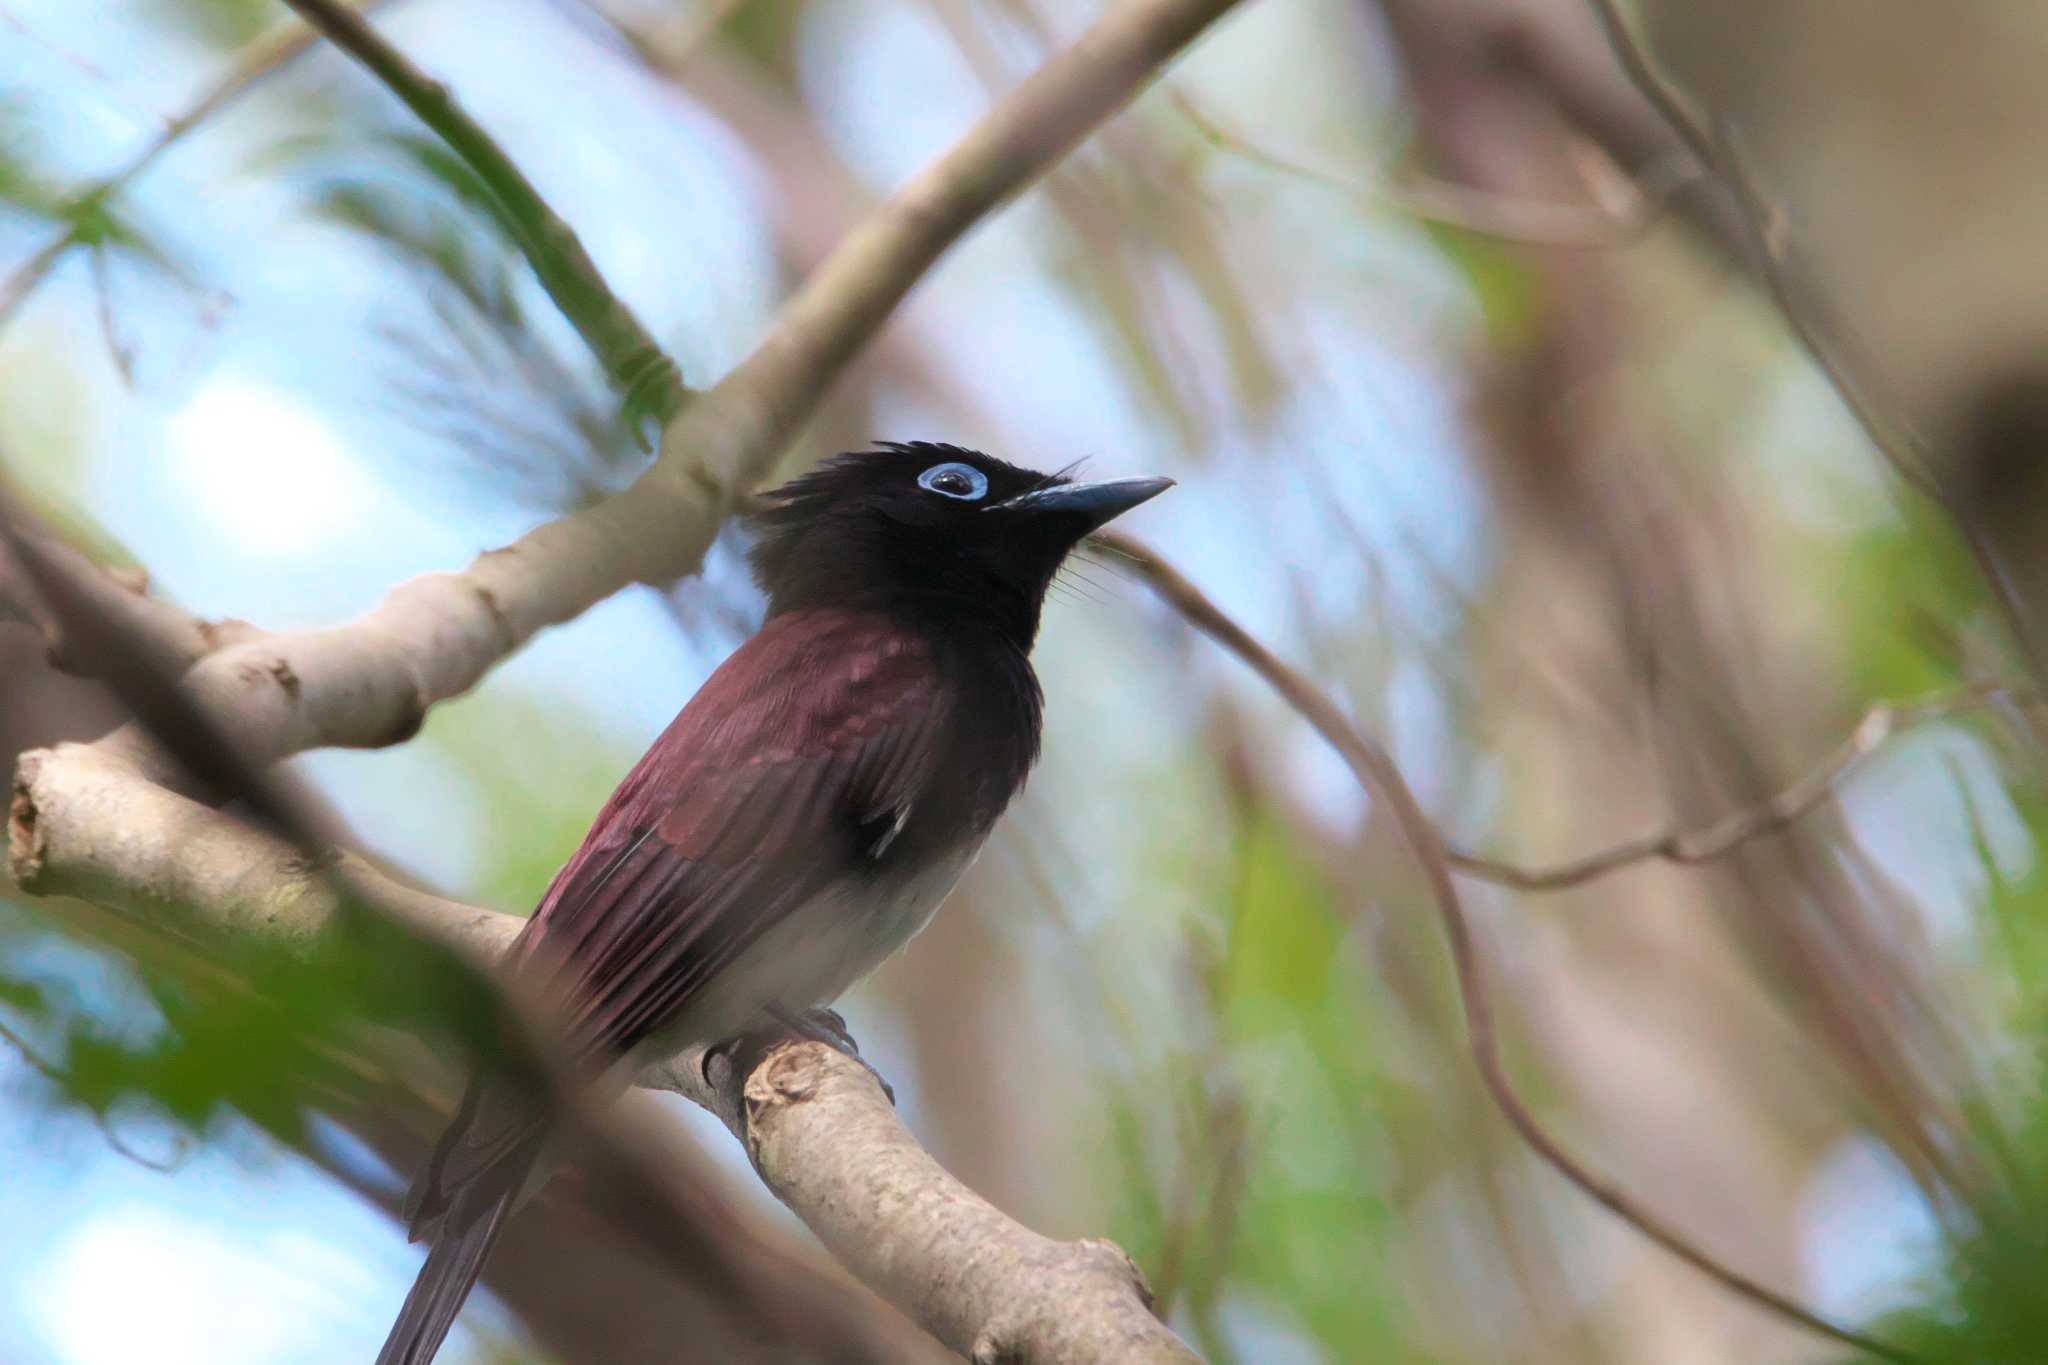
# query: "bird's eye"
962,481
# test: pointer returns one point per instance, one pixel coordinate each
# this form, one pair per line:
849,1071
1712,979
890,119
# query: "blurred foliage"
276,1033
87,219
1981,1304
1507,290
1914,616
24,188
1913,603
538,793
490,371
218,23
187,1048
764,34
1278,1129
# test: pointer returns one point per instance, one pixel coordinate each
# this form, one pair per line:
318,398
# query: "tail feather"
451,1271
477,1175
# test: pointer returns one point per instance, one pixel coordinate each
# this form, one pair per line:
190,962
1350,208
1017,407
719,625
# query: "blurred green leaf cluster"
1266,1190
489,369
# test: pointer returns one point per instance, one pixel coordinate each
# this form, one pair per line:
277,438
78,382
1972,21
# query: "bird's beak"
1090,504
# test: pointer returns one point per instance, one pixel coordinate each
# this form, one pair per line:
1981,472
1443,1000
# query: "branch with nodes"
116,822
172,633
1377,772
821,1133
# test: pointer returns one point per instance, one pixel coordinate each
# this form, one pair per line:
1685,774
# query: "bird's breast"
895,901
821,949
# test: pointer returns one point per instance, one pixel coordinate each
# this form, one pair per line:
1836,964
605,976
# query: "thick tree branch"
830,1145
1376,771
821,1133
174,633
646,379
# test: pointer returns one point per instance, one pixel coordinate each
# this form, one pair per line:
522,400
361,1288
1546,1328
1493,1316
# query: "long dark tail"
445,1280
459,1203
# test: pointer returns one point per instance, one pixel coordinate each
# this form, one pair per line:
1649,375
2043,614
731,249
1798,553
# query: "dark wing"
800,755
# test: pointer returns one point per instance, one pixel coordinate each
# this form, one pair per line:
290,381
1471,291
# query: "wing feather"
766,790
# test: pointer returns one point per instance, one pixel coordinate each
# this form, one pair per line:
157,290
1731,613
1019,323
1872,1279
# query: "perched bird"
801,818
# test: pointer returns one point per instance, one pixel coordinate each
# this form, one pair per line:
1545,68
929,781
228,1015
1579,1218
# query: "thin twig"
102,1120
1379,774
1706,843
103,296
1530,222
262,58
645,377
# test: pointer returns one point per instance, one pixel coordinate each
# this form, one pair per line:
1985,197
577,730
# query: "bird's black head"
948,532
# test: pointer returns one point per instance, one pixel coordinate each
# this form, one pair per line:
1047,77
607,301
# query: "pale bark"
822,1134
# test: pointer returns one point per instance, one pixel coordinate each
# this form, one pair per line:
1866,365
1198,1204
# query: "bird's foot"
728,1063
828,1026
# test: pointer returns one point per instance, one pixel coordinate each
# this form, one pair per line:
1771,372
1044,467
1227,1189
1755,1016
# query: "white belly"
818,952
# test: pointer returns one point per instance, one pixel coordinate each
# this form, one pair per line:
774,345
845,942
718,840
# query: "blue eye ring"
961,482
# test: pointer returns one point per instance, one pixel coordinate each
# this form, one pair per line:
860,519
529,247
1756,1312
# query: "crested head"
947,532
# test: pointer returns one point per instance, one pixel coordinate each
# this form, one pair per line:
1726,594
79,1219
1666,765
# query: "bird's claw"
721,1051
828,1026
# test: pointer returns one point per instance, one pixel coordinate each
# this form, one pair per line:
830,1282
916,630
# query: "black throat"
996,719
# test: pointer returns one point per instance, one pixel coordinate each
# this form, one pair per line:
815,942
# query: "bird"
802,817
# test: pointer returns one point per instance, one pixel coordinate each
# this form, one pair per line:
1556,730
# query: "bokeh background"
1483,417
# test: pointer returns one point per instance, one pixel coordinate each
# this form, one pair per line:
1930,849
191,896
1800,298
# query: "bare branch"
647,380
1706,843
830,1145
820,1132
1377,772
175,633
